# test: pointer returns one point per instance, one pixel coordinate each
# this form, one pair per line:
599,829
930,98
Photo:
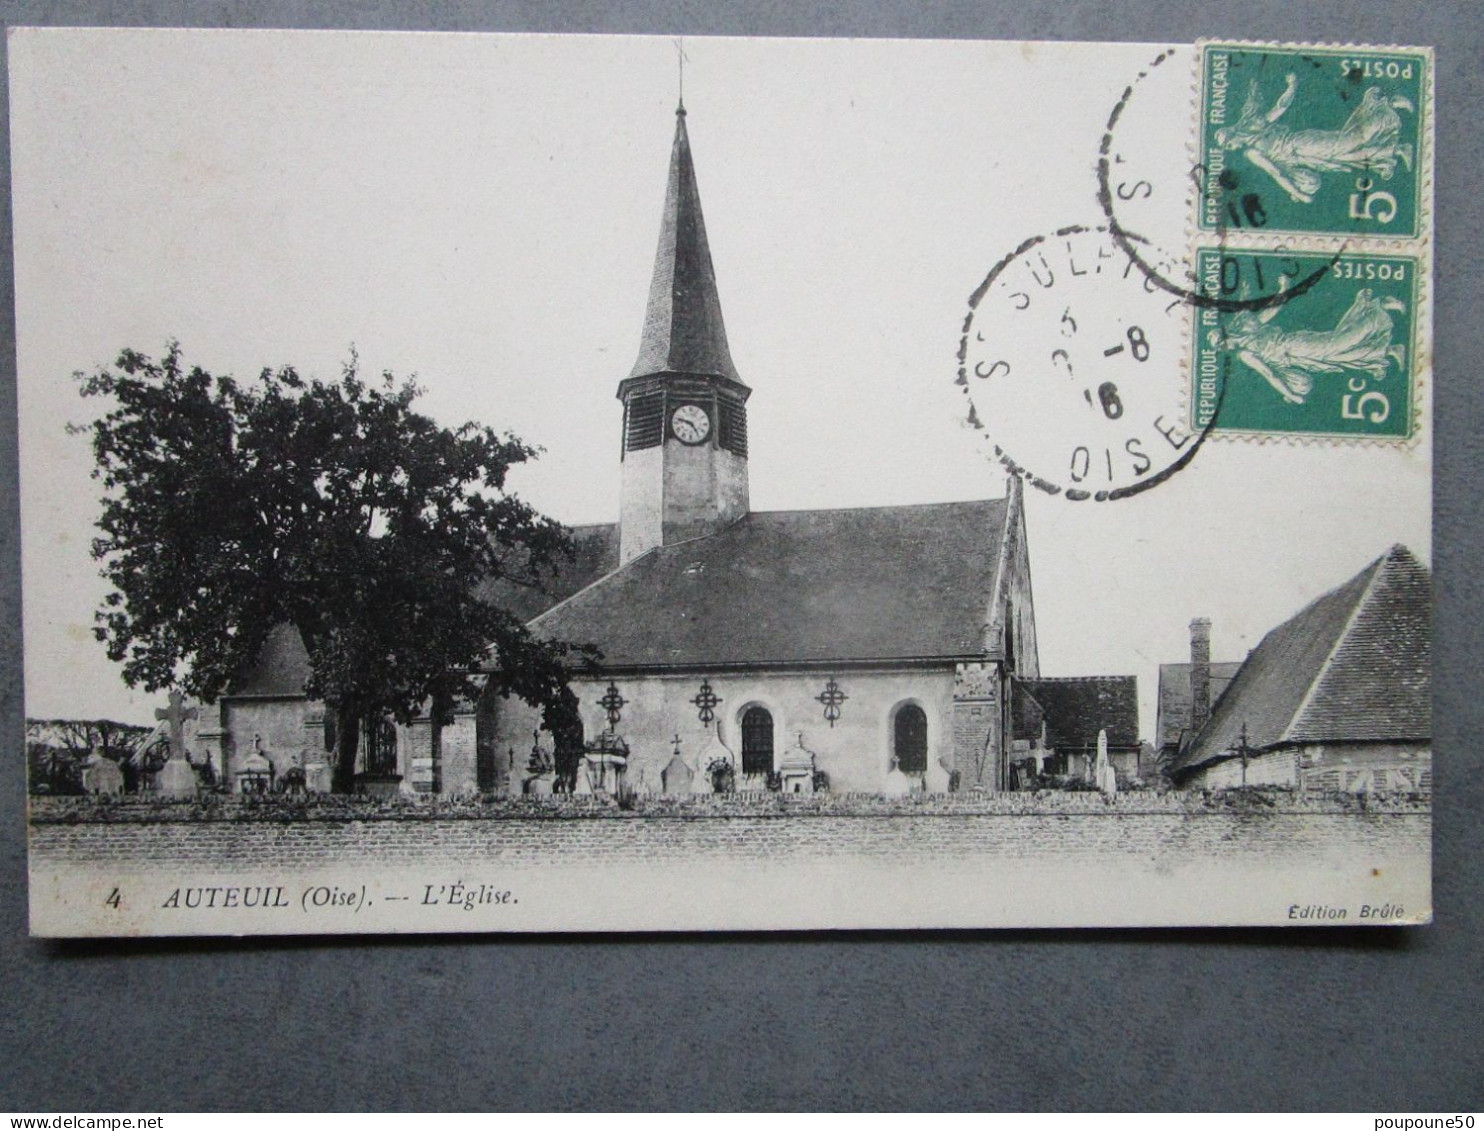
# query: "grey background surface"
1307,1019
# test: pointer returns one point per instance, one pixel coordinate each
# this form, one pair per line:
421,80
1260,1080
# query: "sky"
482,211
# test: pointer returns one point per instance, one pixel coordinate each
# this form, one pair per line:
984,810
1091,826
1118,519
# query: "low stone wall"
340,808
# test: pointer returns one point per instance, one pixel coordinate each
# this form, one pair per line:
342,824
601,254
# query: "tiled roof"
1077,707
1174,698
282,668
683,328
597,554
795,586
1355,665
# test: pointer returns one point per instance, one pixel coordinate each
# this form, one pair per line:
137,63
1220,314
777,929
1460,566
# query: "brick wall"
1161,831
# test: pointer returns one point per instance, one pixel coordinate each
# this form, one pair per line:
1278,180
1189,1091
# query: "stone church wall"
1278,768
458,770
1018,612
855,752
277,723
1367,768
640,501
705,488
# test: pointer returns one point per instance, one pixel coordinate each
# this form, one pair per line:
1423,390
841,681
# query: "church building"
869,649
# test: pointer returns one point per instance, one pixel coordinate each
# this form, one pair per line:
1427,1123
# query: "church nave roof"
778,587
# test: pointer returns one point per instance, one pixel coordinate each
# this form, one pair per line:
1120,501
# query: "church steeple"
683,327
685,408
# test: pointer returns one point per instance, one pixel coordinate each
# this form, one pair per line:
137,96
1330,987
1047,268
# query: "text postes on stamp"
1317,141
1071,359
1339,360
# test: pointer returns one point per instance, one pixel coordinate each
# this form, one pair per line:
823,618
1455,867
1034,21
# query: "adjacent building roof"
597,554
1355,665
1173,719
282,666
884,583
683,328
1077,708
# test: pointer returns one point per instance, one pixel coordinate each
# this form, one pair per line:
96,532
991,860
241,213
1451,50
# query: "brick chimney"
1200,673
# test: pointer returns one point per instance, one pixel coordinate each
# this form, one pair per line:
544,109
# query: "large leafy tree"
232,507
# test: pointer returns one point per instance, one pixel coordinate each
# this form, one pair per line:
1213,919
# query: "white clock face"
690,424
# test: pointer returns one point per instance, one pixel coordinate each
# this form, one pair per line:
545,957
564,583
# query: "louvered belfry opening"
647,411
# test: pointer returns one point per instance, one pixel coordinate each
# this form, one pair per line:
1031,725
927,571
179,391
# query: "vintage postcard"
530,483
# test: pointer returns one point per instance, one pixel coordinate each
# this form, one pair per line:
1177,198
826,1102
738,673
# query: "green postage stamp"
1337,358
1307,140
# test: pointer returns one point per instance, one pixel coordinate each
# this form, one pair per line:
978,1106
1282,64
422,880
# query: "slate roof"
1077,707
880,583
597,554
282,668
1354,665
283,665
1173,719
683,327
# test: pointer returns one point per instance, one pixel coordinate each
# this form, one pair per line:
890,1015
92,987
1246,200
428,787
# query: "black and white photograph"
511,483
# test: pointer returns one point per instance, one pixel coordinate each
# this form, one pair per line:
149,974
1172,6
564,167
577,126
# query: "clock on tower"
685,407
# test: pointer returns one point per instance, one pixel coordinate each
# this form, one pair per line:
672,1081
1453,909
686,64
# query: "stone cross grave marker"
176,778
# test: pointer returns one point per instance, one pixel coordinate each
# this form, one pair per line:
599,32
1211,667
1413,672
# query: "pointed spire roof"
683,328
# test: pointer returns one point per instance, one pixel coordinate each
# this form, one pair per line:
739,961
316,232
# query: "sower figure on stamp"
1289,360
1368,142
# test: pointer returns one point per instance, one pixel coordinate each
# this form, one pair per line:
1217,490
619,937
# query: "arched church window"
910,739
757,741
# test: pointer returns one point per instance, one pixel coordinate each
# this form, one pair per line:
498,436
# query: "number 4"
113,899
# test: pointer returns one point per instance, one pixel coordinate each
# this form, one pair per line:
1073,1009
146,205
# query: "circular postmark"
1293,179
1153,186
1073,361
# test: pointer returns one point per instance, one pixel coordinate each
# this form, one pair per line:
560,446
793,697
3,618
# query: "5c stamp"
1338,360
1313,141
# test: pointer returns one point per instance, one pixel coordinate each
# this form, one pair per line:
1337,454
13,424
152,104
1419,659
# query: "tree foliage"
232,507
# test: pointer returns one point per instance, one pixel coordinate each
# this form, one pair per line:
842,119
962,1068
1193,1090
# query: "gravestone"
255,772
796,769
676,777
582,784
897,784
317,772
176,778
101,776
1103,772
713,752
